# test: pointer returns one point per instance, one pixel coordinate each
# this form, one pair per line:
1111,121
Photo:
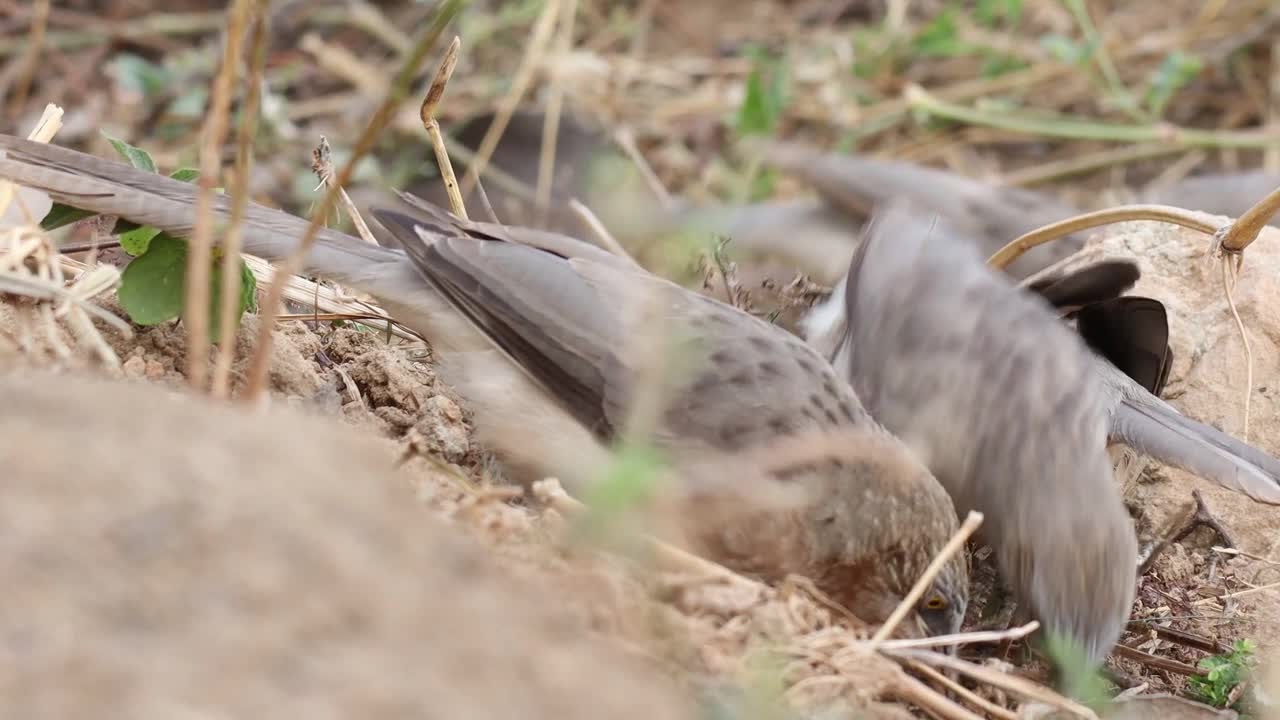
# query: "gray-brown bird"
818,233
1001,401
532,328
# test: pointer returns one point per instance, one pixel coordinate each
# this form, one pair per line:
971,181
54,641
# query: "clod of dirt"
168,556
403,393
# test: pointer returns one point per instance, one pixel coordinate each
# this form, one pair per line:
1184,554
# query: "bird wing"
532,306
1093,283
1131,332
986,215
576,327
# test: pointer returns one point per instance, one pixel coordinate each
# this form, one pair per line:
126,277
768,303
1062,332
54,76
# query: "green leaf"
765,99
1065,50
140,75
630,481
248,284
941,37
990,12
61,215
137,241
135,156
996,64
1176,71
762,184
152,286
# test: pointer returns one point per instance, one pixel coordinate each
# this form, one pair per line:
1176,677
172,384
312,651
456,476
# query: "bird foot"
1201,516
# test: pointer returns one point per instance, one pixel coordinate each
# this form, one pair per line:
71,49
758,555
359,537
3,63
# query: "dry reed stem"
1247,227
551,116
627,141
1002,680
325,299
968,695
322,166
367,79
30,59
1230,274
917,693
507,106
261,361
47,126
428,114
908,603
673,558
1124,213
229,300
200,244
607,240
969,638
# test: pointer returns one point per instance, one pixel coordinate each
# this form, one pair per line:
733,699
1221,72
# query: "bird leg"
1199,517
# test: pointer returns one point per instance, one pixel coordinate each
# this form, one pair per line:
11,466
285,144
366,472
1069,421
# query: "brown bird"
534,330
1001,401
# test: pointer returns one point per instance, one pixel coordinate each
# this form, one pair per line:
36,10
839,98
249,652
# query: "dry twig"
261,359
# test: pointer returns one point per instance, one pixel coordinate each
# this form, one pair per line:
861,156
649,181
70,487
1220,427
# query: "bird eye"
937,602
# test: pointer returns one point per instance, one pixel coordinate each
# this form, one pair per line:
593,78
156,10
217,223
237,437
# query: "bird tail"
1177,440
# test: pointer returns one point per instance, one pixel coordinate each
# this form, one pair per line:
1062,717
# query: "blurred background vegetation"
1086,97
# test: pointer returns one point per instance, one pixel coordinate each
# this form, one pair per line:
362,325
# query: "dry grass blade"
229,290
428,114
1110,216
996,678
968,638
551,119
322,166
257,378
326,299
607,240
1246,228
936,704
550,492
528,66
30,60
200,245
961,691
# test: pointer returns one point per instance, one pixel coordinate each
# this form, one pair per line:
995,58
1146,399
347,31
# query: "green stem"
1075,129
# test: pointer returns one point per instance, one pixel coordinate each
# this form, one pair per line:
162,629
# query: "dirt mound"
165,555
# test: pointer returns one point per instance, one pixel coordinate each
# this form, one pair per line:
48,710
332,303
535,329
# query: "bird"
530,327
999,399
848,186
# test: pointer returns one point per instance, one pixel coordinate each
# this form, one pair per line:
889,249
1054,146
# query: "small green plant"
1224,673
1176,72
153,285
942,38
1075,676
766,97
